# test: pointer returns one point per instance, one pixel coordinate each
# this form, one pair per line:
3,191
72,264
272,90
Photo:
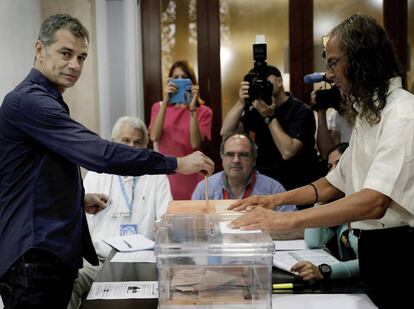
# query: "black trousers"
37,280
386,262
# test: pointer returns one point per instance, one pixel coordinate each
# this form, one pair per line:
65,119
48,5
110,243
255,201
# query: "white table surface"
322,301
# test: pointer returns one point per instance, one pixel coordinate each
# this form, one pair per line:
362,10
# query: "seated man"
282,127
239,179
135,203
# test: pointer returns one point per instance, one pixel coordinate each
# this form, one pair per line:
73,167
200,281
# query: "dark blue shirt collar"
38,78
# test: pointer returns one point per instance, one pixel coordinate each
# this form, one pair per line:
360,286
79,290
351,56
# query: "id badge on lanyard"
128,229
129,203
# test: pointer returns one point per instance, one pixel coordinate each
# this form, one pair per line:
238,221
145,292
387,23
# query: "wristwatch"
326,271
268,119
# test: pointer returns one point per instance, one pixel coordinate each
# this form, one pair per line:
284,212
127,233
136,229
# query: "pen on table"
127,243
287,286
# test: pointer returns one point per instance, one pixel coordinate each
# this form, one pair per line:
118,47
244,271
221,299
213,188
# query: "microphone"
315,78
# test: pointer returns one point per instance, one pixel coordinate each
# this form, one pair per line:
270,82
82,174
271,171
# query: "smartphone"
183,94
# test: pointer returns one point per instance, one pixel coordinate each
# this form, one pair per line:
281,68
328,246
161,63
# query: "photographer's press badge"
128,229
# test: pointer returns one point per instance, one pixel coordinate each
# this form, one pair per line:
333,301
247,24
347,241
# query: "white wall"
119,61
116,38
110,87
19,25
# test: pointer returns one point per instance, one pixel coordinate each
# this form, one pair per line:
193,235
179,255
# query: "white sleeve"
332,119
90,182
336,177
163,196
391,171
96,183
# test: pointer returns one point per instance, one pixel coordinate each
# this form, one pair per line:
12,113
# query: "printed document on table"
296,244
129,243
286,259
124,290
145,256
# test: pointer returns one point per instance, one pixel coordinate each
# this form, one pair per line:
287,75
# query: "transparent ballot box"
201,265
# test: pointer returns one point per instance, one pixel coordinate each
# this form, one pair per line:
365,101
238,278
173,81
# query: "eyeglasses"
241,155
330,66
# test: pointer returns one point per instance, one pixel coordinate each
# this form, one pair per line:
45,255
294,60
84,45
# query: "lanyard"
247,191
124,193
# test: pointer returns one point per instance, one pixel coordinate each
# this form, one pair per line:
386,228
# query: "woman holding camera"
178,129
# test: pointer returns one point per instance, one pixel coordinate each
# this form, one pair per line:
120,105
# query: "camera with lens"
326,98
259,86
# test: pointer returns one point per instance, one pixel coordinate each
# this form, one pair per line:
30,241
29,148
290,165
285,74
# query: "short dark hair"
253,146
56,22
340,148
372,62
270,70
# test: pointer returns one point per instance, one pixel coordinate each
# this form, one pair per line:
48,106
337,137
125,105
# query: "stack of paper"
130,243
286,259
145,256
225,229
295,244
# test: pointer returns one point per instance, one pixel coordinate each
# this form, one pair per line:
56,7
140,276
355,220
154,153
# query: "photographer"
283,129
332,127
181,127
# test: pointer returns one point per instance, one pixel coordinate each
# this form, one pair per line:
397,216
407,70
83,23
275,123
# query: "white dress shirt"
151,197
381,158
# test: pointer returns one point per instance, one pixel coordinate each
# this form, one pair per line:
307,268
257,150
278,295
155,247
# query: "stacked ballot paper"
130,243
144,256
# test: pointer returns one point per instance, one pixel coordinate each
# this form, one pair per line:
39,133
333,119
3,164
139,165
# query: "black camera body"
259,86
326,98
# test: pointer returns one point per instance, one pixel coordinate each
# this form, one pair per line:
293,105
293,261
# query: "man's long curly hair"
371,63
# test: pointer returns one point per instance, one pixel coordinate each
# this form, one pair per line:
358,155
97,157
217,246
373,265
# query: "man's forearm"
287,146
307,195
231,122
196,137
156,131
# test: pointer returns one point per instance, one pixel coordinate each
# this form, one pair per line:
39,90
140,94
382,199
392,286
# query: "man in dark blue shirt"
43,232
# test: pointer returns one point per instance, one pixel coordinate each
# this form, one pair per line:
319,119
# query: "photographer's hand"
231,122
312,103
194,94
170,88
196,137
244,91
264,109
156,131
